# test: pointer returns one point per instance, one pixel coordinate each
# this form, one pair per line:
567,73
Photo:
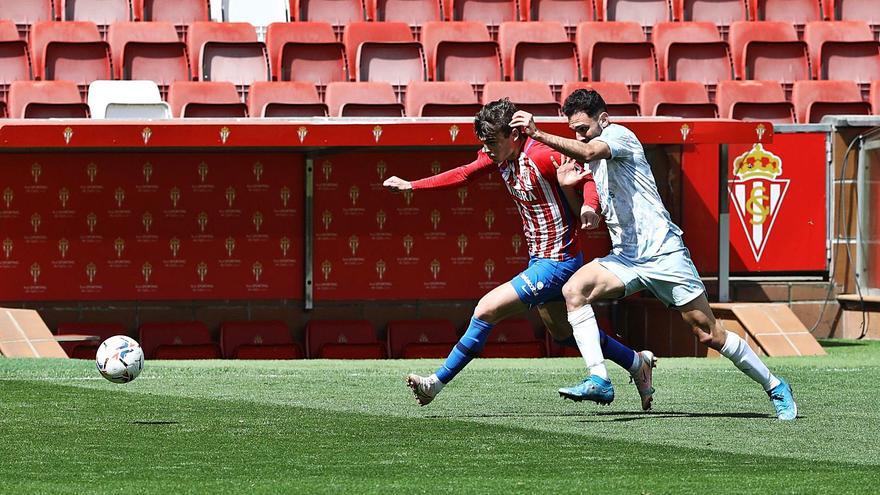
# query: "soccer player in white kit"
647,249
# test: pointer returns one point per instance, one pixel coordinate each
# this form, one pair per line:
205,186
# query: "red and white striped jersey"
549,225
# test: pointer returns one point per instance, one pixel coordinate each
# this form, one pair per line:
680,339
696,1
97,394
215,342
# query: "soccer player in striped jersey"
528,169
647,249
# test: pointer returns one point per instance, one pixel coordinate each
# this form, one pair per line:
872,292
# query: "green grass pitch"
353,427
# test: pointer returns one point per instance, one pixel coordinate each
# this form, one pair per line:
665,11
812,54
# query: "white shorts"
671,276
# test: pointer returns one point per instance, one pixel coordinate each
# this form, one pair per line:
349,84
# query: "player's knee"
575,295
486,311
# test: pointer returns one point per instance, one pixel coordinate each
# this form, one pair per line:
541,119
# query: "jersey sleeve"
457,176
621,141
591,195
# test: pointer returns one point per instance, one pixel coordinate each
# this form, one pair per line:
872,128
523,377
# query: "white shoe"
425,388
643,378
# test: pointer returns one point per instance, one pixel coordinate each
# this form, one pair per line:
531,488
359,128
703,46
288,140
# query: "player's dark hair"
494,118
588,101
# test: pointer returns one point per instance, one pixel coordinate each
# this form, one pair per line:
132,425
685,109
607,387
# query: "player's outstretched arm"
580,151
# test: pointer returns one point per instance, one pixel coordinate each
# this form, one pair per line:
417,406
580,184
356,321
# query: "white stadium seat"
126,100
259,13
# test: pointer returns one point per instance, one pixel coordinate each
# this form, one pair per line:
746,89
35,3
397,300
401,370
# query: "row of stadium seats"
387,52
416,12
329,339
744,100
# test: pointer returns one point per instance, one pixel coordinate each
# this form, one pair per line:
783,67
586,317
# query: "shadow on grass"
842,343
628,416
155,422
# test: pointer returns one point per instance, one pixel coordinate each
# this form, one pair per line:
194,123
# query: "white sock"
586,334
744,358
637,363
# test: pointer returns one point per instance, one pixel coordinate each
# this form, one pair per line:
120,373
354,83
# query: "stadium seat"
719,12
384,52
616,52
857,10
815,99
136,100
15,63
306,51
797,12
538,51
87,350
70,51
644,12
568,12
874,96
362,99
687,99
692,51
178,12
489,12
177,340
45,99
754,100
413,12
441,99
26,13
531,96
101,12
258,14
461,51
205,100
769,51
617,97
343,339
415,339
258,340
148,50
843,50
227,51
336,12
513,339
285,99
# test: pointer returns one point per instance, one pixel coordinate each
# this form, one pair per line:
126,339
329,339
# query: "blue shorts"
542,281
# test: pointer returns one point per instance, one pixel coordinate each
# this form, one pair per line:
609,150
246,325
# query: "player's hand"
396,184
589,218
524,121
569,172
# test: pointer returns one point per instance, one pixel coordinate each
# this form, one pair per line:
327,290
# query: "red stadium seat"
617,97
568,12
719,12
414,339
70,51
205,100
692,51
26,13
616,52
875,97
687,99
45,99
531,96
258,340
513,339
754,100
343,339
87,350
15,64
815,99
227,51
385,52
769,51
177,340
461,51
336,12
362,99
148,50
538,51
489,12
101,12
441,99
797,12
644,12
857,10
413,12
285,99
177,12
843,50
306,51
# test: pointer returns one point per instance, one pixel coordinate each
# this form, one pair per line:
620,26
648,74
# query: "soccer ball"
120,359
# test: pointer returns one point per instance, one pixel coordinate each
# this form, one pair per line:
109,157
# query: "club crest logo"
381,168
257,271
381,267
284,244
146,271
408,244
435,268
174,246
63,197
202,271
462,243
7,247
757,194
353,243
326,268
230,246
230,196
148,172
63,247
381,217
36,171
489,268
